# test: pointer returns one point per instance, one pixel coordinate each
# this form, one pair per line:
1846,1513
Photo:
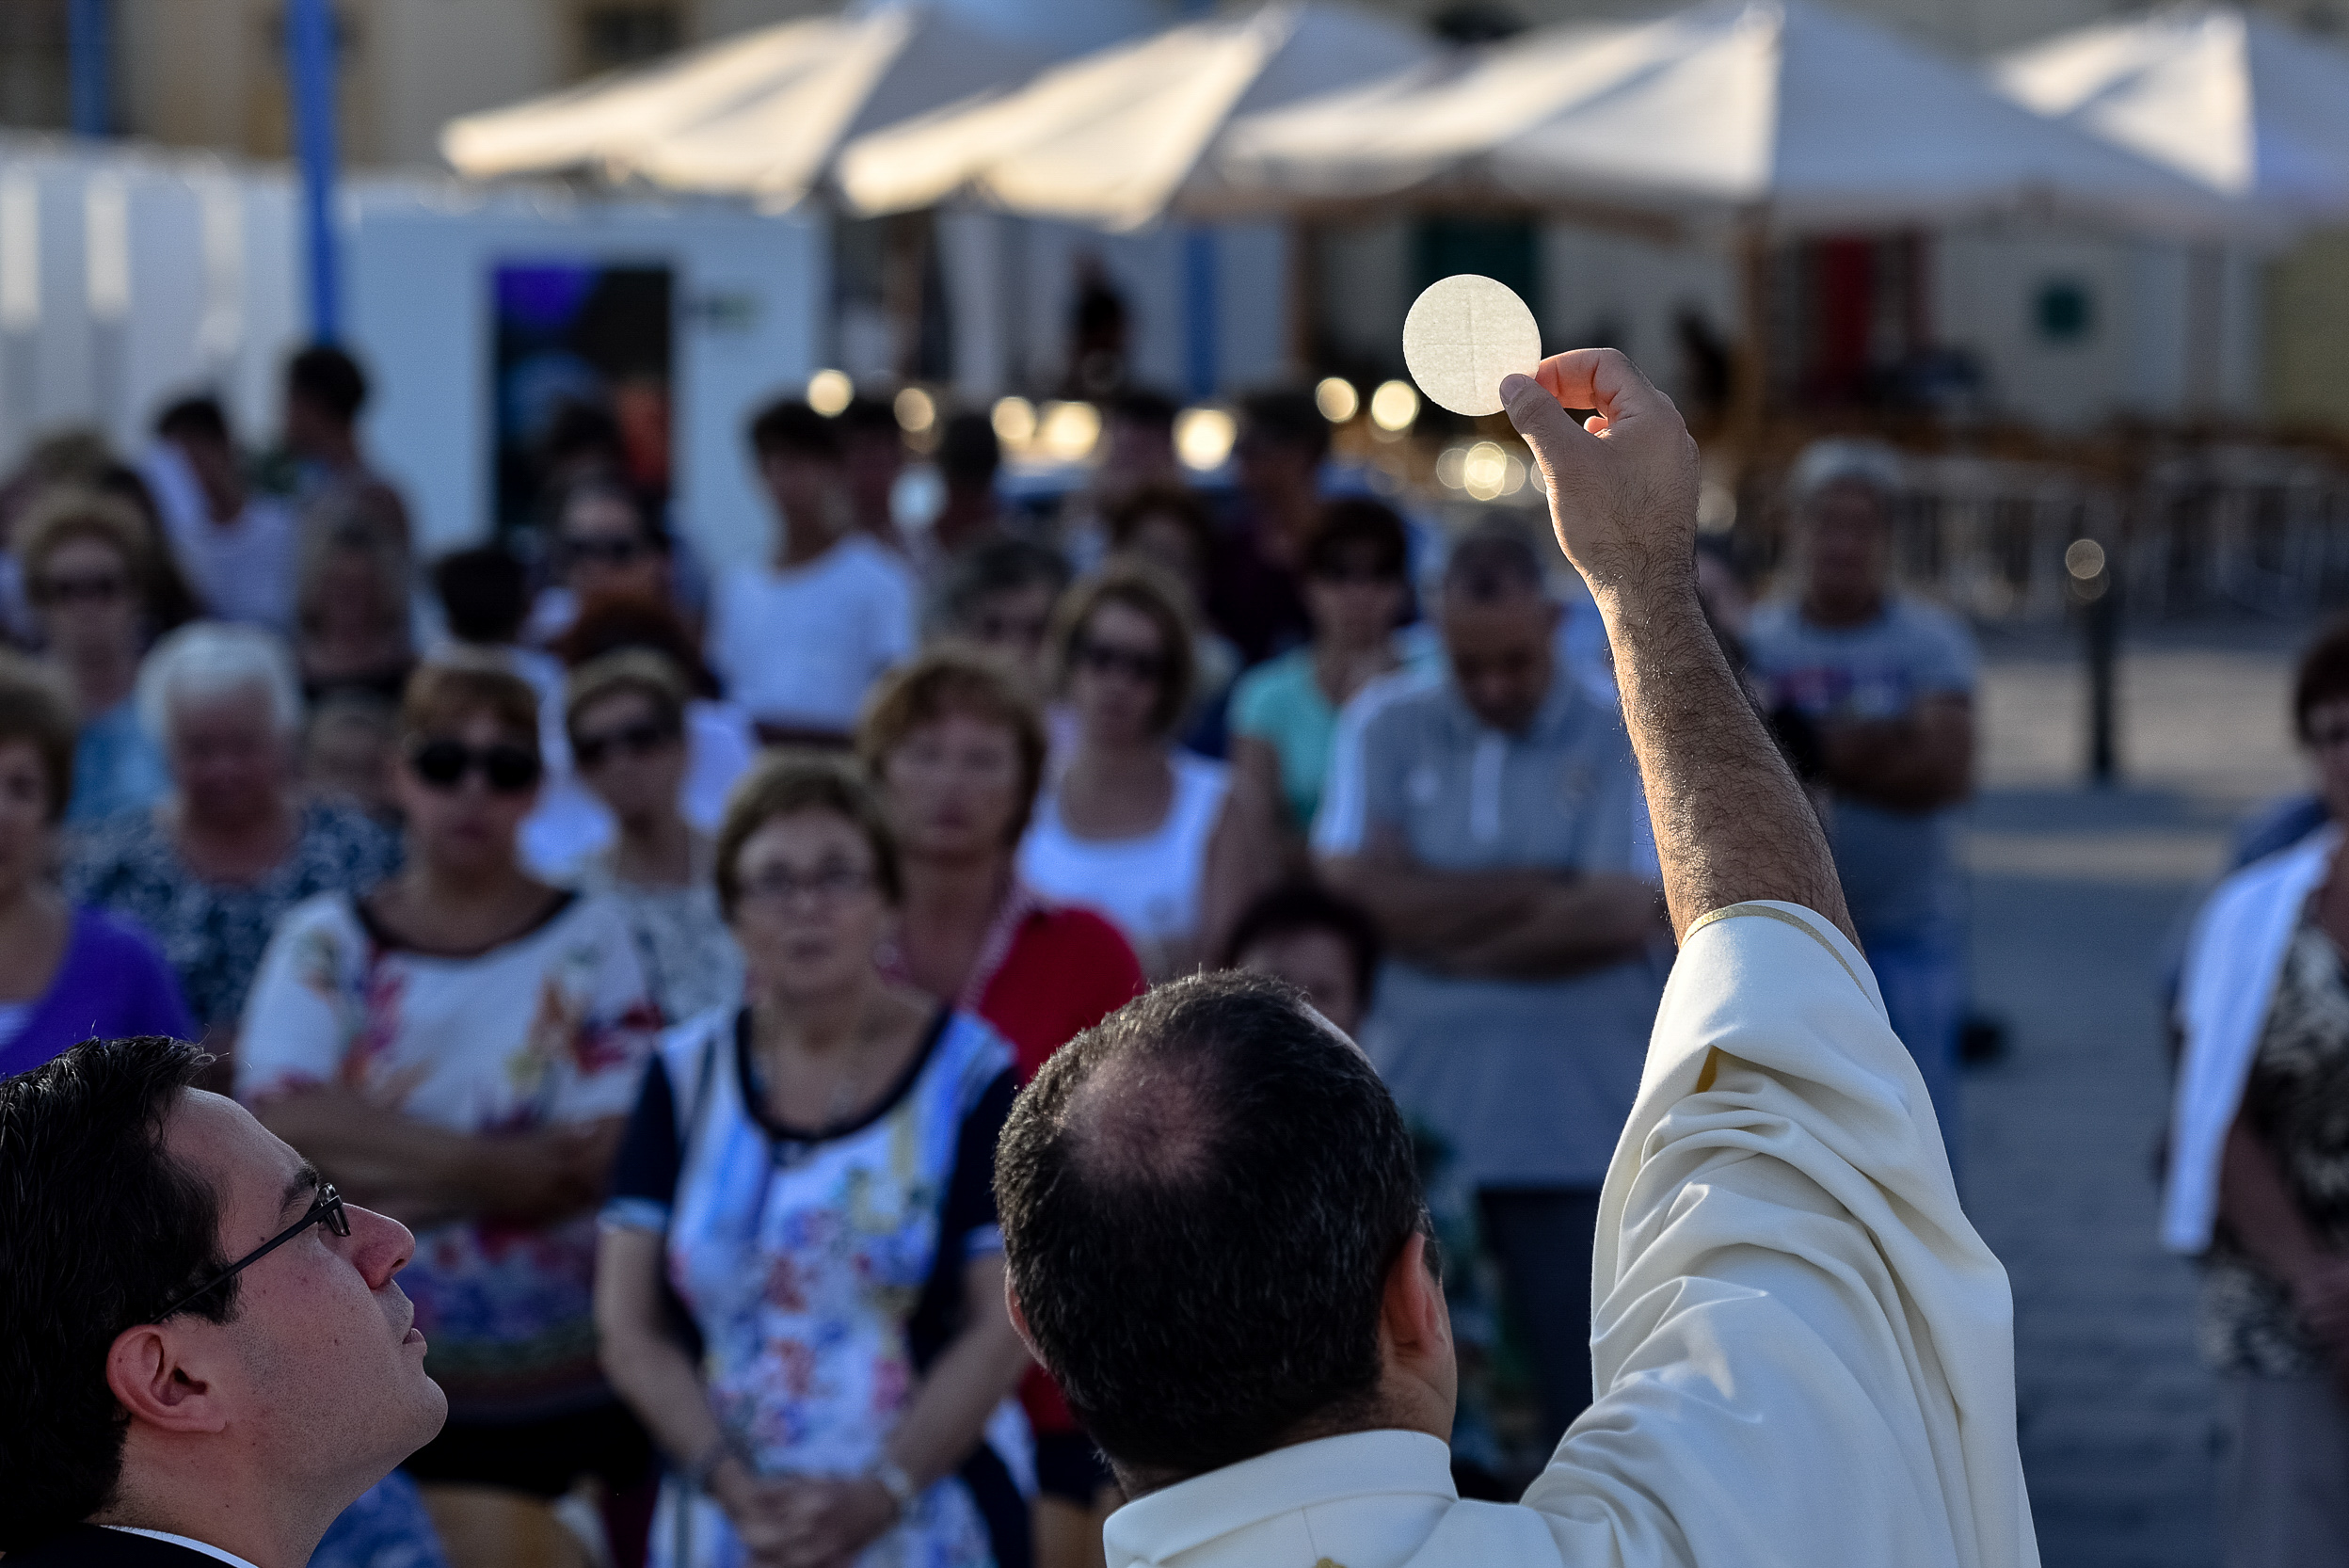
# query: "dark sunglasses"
98,590
609,552
641,738
324,1209
1103,659
444,765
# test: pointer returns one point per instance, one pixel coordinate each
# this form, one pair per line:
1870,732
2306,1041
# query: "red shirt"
1055,972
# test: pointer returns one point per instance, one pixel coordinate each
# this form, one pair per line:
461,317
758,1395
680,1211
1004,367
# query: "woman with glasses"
86,563
625,715
67,972
210,869
1152,835
811,1177
458,1049
959,752
1284,711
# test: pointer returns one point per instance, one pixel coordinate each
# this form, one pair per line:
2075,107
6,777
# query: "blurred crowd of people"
666,948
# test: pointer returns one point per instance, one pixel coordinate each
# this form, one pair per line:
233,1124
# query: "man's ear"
150,1375
1019,1319
1413,1316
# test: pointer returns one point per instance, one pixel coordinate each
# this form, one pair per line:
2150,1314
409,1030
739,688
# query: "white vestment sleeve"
1804,1355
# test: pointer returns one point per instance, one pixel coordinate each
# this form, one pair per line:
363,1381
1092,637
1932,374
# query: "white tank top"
1148,885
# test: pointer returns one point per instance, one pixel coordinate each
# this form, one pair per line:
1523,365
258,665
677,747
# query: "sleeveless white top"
1147,885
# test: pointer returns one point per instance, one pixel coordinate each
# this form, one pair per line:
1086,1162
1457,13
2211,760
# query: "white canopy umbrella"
759,114
2230,99
1116,137
1819,120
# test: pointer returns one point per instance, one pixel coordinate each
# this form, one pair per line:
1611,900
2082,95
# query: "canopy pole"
90,28
309,70
1199,301
1749,388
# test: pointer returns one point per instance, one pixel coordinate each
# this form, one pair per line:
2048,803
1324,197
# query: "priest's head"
1216,1237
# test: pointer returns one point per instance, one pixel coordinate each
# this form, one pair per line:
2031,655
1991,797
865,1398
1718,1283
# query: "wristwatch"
898,1484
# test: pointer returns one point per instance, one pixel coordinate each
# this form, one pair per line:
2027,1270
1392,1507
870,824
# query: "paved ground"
2076,895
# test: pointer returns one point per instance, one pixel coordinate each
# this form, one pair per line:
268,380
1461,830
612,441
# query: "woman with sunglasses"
625,717
811,1177
1156,838
458,1049
1285,711
86,559
605,547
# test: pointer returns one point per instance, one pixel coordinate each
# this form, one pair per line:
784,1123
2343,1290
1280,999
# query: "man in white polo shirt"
1802,1352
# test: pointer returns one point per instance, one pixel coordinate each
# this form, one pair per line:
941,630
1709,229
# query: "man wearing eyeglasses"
202,1350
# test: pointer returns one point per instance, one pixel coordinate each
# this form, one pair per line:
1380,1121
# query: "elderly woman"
812,1178
458,1049
2258,1182
210,869
88,562
958,749
625,717
1156,838
65,972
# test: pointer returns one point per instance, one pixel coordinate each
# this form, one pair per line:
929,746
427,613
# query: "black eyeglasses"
444,765
324,1209
641,738
1108,659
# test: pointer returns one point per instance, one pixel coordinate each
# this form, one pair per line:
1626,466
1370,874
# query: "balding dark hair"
1219,1140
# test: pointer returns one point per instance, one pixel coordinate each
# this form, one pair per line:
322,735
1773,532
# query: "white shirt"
1149,885
244,569
189,1541
1805,1354
800,646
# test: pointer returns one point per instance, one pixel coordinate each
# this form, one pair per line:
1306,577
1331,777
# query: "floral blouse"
823,1269
551,1027
213,933
2297,1099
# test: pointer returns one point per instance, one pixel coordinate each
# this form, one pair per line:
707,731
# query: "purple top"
111,983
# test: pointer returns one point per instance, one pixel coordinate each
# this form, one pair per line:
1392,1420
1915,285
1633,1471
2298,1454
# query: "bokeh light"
1394,405
1015,420
1203,437
1068,431
916,409
1336,399
828,392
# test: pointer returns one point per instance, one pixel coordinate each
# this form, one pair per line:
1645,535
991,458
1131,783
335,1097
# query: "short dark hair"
969,450
789,425
608,623
1299,907
1356,523
949,678
1286,417
328,377
198,418
99,1227
485,592
2323,675
1215,1138
1492,561
995,567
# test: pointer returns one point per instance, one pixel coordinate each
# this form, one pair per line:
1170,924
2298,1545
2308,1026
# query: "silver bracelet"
898,1484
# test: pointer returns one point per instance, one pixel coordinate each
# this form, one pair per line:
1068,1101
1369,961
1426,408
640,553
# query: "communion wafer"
1465,333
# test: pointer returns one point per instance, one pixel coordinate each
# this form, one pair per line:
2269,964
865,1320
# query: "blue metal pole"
310,71
1199,312
89,48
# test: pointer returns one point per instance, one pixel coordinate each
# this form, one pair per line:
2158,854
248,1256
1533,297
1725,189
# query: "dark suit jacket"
92,1546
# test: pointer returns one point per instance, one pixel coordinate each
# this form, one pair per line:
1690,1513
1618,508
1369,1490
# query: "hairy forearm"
1732,823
